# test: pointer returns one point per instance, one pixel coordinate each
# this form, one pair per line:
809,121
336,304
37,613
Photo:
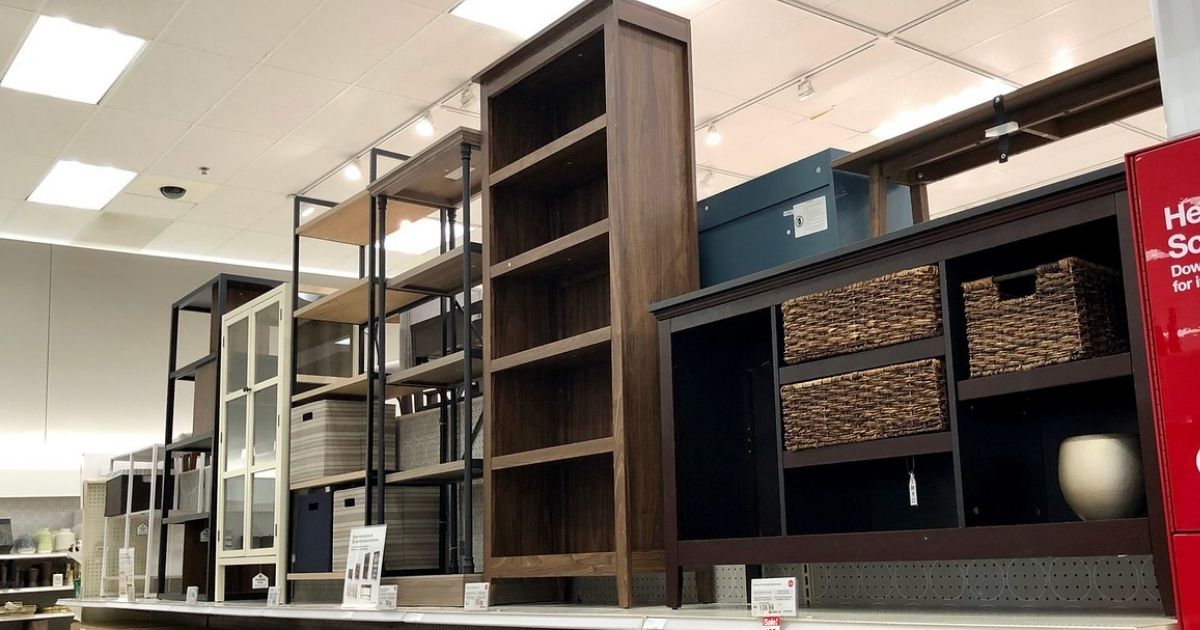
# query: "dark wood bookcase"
590,216
988,486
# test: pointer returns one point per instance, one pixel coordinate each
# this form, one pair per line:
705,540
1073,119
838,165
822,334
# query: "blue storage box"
791,213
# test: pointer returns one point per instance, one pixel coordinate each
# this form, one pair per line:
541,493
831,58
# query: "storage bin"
885,402
329,438
891,309
412,519
1057,312
312,532
194,488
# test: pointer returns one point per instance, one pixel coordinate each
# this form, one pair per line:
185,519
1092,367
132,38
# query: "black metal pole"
370,365
168,469
468,491
381,339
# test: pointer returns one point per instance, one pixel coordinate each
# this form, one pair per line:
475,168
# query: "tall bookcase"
589,201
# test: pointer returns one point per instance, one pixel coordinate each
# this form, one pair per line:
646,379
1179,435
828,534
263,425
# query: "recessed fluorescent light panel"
64,59
80,185
523,17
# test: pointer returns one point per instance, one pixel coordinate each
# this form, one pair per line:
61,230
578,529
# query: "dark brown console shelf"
988,485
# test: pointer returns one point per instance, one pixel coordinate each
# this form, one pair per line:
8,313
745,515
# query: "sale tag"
260,581
773,596
475,595
912,489
654,623
772,622
387,596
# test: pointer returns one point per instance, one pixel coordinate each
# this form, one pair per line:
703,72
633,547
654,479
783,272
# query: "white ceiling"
271,95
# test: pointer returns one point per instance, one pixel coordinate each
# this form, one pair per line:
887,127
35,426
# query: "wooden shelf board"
313,379
348,387
563,452
186,518
349,305
449,472
188,372
316,577
440,372
441,275
331,480
37,617
572,564
864,360
349,222
197,442
35,589
565,256
1075,372
578,145
906,446
36,556
433,177
561,352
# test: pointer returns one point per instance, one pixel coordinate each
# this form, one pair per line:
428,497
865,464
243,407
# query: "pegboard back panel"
92,537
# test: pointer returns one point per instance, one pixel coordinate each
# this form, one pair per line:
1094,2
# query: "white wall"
83,355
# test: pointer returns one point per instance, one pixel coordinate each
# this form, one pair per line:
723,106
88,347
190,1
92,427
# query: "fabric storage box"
419,439
194,486
891,309
1057,312
329,438
412,518
312,532
886,402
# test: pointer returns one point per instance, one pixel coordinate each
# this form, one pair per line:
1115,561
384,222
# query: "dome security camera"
173,192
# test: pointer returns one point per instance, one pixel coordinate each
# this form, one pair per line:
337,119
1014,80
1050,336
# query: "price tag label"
387,597
772,622
476,595
773,597
260,581
57,580
193,594
912,489
654,623
273,596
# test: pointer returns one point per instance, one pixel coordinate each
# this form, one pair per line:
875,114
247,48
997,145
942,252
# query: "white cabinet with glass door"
252,492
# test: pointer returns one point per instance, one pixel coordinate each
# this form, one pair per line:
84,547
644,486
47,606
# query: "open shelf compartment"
558,507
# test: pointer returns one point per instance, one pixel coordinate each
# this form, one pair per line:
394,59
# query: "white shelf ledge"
35,589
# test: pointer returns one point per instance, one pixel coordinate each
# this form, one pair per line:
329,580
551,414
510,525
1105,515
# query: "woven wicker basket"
873,404
899,307
1061,311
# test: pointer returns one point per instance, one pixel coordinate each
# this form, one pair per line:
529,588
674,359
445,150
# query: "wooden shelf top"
349,222
863,360
5,619
572,564
349,305
562,452
564,256
433,177
441,275
331,480
575,153
906,446
440,372
186,518
449,472
1073,373
197,442
188,372
315,577
572,350
348,387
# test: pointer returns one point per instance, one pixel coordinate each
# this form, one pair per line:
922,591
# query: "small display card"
364,566
125,577
57,580
773,596
273,596
475,595
387,597
260,581
809,217
193,594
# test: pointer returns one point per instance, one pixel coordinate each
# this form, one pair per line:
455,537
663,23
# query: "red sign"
1164,190
772,622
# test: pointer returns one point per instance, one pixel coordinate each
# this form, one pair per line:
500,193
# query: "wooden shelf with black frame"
183,476
988,481
589,217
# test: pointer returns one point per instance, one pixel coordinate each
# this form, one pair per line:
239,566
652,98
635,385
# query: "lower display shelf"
10,619
35,589
592,563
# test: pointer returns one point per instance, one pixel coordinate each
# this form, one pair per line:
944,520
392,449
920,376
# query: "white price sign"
773,597
475,595
387,596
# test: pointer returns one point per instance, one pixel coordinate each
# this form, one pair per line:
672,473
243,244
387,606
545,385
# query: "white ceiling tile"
27,5
783,147
43,222
275,221
436,5
38,125
707,103
355,119
224,152
971,189
932,88
124,139
1064,59
14,24
319,254
146,206
271,102
743,129
6,208
864,73
261,247
246,30
287,168
709,183
422,70
345,38
781,58
21,174
883,15
126,232
1154,121
143,18
150,185
176,82
686,8
976,21
731,27
1053,35
189,238
235,207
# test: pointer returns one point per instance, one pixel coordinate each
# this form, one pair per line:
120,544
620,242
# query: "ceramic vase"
1101,476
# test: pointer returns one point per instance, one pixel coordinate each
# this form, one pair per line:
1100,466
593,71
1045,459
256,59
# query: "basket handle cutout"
348,503
306,417
314,506
1013,286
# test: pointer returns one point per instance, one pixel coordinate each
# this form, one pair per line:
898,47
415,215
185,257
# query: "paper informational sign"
809,217
260,581
773,596
57,580
387,597
193,594
125,576
476,595
273,596
364,566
